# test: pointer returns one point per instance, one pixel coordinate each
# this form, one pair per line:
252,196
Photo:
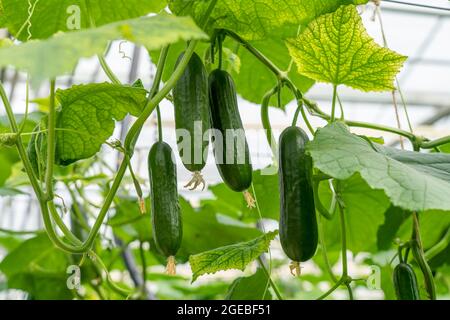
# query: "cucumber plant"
334,195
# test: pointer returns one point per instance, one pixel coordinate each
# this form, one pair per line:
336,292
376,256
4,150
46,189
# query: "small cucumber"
233,160
298,224
166,214
405,282
192,119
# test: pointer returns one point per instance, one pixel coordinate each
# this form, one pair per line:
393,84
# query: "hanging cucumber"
230,144
405,282
166,214
298,224
192,119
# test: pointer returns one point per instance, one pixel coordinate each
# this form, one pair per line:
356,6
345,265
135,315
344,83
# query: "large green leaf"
255,287
39,268
51,16
256,19
336,48
235,256
420,183
364,213
87,117
59,54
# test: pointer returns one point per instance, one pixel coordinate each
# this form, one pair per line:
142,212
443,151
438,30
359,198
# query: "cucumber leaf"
236,256
87,117
364,214
39,268
51,16
413,181
336,48
254,20
254,287
59,54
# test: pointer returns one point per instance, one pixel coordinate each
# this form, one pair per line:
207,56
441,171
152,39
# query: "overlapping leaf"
336,48
418,184
59,54
51,16
236,256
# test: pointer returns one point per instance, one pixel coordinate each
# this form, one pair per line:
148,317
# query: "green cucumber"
405,282
233,161
298,223
192,119
166,214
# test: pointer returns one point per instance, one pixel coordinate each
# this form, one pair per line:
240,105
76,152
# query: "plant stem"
333,106
160,130
144,266
27,104
51,143
272,284
315,110
261,57
266,121
324,251
332,289
435,143
305,118
345,279
350,291
19,233
109,73
19,144
295,118
419,256
438,247
344,240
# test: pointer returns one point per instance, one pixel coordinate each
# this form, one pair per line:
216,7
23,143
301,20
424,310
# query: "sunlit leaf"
336,48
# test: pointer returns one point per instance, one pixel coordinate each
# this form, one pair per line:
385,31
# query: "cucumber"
405,282
233,161
166,214
190,98
298,223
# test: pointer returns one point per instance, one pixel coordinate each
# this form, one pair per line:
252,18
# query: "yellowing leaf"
336,48
235,256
